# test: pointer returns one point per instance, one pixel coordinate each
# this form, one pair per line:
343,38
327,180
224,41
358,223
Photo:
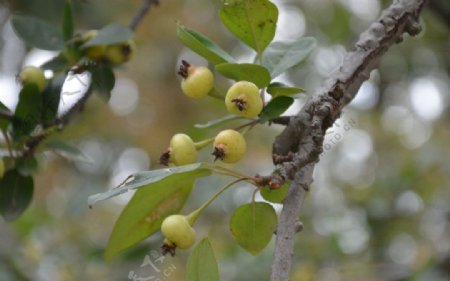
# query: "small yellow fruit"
229,146
177,230
95,53
181,151
198,80
120,53
243,99
32,74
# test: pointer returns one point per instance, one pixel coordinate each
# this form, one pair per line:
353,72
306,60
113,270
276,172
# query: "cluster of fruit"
79,51
114,54
242,98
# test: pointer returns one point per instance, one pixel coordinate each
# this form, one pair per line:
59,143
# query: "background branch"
141,12
65,118
4,114
305,132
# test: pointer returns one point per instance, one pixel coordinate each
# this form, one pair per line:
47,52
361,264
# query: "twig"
305,132
4,114
141,12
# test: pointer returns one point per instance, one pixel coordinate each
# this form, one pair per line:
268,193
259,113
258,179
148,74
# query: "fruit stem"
193,216
248,127
229,172
202,144
215,94
250,124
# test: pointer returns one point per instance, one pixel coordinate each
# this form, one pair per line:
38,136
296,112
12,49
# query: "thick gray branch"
301,141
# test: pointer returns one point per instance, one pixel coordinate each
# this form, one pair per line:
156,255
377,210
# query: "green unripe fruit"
229,146
197,81
181,151
243,99
35,75
96,52
177,230
120,53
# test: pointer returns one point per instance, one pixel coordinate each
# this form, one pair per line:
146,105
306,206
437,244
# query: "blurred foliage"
378,209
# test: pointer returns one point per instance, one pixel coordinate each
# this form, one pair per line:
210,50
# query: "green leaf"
28,111
143,179
275,195
202,45
257,74
16,192
56,64
275,108
103,81
111,34
277,89
252,21
202,264
252,226
37,33
4,123
219,121
67,21
282,55
67,151
27,166
51,97
164,195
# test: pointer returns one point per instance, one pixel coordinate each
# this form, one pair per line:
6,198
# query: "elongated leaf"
67,21
252,21
103,81
56,64
282,55
145,212
28,111
275,108
143,179
16,192
219,121
277,89
111,34
202,264
202,45
51,97
257,74
252,226
37,33
68,151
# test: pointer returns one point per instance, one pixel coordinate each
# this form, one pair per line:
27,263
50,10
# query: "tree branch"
304,134
5,114
141,12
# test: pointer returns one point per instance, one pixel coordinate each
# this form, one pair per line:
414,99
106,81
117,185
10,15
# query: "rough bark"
298,147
